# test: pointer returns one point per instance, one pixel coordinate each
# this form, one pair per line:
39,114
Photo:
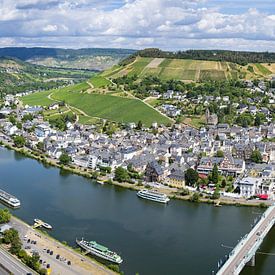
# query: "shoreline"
100,180
82,261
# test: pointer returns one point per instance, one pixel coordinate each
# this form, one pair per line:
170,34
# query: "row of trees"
239,57
11,238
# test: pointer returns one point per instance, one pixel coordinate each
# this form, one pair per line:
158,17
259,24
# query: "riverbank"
171,193
80,264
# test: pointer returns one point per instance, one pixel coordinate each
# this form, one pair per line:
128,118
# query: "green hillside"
189,70
19,76
92,105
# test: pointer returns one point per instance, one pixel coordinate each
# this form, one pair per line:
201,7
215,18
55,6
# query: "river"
178,238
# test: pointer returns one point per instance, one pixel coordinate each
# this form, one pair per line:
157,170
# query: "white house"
248,186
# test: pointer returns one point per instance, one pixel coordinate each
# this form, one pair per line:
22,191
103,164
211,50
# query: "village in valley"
213,161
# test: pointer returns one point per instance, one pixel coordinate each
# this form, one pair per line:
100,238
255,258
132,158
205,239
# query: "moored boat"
9,199
99,251
153,196
39,223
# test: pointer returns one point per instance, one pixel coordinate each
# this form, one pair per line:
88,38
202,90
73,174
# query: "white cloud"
174,24
50,28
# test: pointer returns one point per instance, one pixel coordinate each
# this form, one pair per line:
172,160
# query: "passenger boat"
153,196
9,199
100,251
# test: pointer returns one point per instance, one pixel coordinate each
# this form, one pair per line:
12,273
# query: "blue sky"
167,24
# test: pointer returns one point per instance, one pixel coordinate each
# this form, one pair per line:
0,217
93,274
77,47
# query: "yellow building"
176,179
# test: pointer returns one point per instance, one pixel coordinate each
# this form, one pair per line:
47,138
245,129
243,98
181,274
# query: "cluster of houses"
162,156
250,107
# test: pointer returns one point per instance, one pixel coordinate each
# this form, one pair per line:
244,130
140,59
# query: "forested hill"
19,76
239,57
24,53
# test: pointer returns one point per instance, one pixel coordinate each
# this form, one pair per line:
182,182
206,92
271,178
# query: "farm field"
99,81
190,70
110,107
180,69
113,108
38,99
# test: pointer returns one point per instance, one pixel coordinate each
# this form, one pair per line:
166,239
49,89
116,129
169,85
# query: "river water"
178,238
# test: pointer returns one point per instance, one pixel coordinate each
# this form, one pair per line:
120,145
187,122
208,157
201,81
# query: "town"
214,161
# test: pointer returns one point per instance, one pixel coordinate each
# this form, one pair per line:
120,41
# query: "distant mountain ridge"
25,53
18,76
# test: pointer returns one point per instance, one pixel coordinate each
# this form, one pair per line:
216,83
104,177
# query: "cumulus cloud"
169,24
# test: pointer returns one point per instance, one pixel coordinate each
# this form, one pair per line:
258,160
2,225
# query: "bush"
4,215
195,197
184,192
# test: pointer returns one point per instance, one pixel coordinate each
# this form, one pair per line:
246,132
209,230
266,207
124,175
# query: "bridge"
244,252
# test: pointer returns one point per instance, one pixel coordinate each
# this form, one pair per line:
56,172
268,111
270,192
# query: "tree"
256,156
220,154
195,197
257,121
12,119
215,174
191,176
40,146
27,117
15,246
121,174
10,236
139,125
4,216
19,125
19,141
216,194
64,159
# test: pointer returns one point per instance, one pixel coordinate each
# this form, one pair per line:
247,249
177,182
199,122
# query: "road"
13,265
3,271
247,244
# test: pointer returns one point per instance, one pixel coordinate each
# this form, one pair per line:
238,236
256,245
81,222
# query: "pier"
244,252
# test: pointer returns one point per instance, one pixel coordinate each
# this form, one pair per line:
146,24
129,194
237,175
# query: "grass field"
194,121
111,107
38,99
99,81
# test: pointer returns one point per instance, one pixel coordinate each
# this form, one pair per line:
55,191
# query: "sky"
136,24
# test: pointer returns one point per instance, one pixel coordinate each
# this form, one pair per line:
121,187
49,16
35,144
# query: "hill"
90,58
104,106
188,69
238,57
19,76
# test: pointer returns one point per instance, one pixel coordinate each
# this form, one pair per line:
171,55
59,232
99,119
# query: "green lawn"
111,107
195,121
38,99
99,81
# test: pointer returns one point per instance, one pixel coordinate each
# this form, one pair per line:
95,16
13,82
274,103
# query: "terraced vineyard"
190,70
